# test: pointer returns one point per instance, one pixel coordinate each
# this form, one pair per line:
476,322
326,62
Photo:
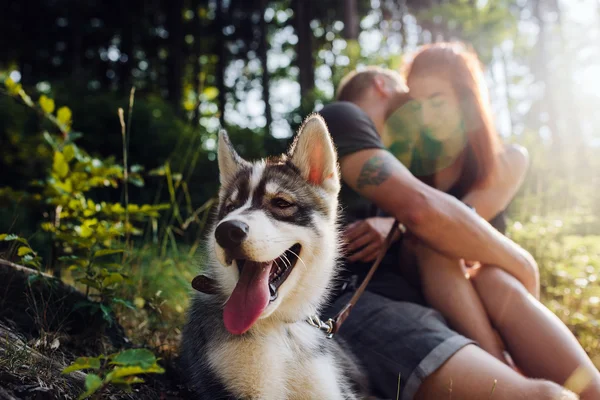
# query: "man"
404,345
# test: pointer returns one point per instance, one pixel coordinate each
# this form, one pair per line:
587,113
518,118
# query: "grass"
569,271
568,266
161,294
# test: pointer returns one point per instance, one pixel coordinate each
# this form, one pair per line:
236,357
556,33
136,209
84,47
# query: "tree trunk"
75,12
219,21
304,57
197,70
507,90
402,11
174,26
543,74
262,54
125,67
351,23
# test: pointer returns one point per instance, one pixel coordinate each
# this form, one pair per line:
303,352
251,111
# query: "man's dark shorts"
395,336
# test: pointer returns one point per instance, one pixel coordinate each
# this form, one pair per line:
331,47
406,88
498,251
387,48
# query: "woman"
459,153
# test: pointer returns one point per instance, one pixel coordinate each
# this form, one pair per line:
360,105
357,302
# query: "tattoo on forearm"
374,172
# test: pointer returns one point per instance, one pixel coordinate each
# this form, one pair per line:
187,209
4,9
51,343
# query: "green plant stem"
125,176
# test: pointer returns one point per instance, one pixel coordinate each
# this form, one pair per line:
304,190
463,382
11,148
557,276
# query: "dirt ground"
42,331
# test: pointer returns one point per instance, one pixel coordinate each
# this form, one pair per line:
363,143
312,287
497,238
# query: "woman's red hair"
453,61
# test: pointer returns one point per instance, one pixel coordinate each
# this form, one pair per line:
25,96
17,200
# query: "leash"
332,325
207,285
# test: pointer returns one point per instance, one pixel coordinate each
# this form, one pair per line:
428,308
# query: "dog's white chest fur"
278,364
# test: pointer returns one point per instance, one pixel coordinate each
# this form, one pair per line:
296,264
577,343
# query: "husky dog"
273,252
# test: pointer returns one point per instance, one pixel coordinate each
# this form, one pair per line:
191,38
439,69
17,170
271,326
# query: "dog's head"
276,232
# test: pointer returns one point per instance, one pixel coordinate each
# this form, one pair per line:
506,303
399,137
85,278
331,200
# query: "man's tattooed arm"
374,172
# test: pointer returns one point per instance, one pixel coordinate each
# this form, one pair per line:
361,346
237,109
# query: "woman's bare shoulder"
513,163
514,156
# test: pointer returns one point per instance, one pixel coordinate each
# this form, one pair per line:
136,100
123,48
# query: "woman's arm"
499,191
501,188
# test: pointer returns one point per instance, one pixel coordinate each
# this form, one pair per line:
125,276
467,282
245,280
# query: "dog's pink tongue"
249,298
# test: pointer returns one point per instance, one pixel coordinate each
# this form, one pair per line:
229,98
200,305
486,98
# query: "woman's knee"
495,281
489,277
501,293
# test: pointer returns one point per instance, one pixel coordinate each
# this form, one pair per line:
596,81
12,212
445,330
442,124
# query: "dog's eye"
281,203
230,207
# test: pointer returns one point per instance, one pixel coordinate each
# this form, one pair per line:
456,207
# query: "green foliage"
569,272
483,26
120,369
84,232
29,257
93,240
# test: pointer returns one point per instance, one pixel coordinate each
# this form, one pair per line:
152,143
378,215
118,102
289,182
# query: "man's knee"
546,390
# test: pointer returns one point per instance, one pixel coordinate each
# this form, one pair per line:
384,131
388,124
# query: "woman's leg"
540,344
447,290
472,374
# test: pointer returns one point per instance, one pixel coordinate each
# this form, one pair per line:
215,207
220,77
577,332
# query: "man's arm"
437,219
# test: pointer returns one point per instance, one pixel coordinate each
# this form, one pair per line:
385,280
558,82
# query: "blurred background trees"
257,67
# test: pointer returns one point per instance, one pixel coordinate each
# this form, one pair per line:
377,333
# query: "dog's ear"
314,155
229,161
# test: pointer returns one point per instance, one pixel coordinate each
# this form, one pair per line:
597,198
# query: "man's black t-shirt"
352,130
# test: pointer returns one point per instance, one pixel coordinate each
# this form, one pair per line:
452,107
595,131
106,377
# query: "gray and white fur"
283,201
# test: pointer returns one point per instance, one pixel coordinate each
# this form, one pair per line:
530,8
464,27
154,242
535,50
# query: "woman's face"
438,105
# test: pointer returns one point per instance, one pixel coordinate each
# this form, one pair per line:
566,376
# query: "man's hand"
366,238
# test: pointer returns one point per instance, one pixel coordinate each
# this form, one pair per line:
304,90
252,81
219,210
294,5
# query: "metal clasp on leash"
326,327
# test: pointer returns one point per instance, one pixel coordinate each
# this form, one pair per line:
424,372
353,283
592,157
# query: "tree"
174,24
304,54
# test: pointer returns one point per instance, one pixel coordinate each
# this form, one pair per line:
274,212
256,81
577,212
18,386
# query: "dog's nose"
230,234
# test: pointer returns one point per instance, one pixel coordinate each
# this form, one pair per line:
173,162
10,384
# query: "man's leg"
408,349
541,345
472,373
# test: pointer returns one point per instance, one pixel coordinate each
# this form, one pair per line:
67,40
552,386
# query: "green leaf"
136,168
73,136
23,251
64,116
90,282
59,165
127,380
160,171
136,180
86,231
106,314
107,252
135,357
111,279
8,238
92,383
83,363
189,105
13,87
69,152
124,302
210,93
121,372
47,104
